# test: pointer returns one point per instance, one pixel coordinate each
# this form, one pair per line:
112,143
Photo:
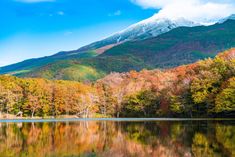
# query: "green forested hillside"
31,64
180,46
202,89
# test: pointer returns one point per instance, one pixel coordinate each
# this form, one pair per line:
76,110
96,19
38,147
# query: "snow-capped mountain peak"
151,27
231,17
148,28
145,29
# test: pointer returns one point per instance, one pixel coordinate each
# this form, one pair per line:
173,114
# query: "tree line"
202,89
43,98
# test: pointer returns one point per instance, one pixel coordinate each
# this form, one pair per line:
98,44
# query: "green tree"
225,100
142,104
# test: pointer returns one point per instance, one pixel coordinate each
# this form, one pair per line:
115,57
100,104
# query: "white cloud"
60,13
116,13
67,33
203,11
34,1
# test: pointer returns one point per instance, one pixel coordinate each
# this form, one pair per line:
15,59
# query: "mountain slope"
231,17
145,29
30,64
179,46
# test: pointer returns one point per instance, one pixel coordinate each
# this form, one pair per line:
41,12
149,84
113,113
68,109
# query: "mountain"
179,46
145,29
231,17
152,43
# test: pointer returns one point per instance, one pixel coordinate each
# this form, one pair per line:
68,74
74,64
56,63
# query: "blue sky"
35,28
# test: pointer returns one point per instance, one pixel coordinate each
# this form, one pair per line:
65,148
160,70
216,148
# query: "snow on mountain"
151,27
231,17
148,28
145,29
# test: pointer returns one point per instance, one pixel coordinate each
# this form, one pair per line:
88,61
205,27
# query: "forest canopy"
202,89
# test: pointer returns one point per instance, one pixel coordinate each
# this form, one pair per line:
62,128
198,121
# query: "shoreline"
8,118
29,120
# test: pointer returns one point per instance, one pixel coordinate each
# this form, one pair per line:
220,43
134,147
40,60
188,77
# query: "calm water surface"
198,138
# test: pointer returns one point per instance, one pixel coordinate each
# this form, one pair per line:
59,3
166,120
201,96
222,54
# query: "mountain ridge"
151,23
183,45
140,56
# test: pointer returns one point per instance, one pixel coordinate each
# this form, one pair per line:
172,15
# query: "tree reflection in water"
118,139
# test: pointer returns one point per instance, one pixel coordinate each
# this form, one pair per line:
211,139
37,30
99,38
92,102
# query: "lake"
117,138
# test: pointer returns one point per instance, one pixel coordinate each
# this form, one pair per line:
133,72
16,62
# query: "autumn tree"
225,100
10,94
142,104
37,96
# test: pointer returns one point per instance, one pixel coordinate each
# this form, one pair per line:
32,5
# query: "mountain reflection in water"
118,139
